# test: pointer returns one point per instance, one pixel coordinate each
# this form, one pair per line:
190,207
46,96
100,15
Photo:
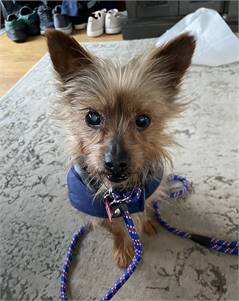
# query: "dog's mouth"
117,178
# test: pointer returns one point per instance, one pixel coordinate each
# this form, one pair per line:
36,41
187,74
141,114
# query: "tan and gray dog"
117,118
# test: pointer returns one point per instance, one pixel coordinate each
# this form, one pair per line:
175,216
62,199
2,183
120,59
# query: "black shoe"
46,19
16,28
31,19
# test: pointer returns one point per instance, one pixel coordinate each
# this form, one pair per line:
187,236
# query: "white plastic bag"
216,43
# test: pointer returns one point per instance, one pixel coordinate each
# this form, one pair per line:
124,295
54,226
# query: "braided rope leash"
222,246
219,245
227,247
136,259
138,247
69,257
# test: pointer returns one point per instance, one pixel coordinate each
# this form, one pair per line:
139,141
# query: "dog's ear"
173,58
66,54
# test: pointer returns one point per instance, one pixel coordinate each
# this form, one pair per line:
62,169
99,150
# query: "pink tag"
108,210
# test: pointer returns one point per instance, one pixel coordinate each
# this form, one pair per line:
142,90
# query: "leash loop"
69,257
222,246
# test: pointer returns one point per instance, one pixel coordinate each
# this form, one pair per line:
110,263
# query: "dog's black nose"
116,160
115,165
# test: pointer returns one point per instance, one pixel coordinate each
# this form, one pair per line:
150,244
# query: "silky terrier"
116,118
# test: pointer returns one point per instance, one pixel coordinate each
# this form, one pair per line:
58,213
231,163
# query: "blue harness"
82,196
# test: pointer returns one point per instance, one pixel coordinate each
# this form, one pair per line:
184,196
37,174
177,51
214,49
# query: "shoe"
16,28
96,23
61,23
46,19
114,21
31,19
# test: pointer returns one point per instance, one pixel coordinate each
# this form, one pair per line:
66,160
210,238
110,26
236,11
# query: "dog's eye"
142,121
93,118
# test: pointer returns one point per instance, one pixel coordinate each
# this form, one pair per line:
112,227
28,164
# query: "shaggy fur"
149,85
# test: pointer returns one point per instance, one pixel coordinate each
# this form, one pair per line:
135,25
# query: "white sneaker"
114,21
95,25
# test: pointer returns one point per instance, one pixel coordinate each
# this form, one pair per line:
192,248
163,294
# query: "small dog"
117,117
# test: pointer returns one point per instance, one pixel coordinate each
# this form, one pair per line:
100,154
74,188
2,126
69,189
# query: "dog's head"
117,115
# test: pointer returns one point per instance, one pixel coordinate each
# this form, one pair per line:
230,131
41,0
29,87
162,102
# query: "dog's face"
117,115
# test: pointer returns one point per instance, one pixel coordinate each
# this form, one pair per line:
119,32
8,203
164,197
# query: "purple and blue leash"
219,245
138,247
227,247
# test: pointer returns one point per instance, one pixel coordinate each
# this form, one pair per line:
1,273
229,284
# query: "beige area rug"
37,220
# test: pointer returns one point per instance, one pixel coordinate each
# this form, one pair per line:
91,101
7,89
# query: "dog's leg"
151,226
123,250
150,223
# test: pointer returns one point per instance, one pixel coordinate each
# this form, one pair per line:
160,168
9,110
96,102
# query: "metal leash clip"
114,207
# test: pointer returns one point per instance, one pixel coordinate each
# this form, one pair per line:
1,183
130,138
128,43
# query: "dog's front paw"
123,256
151,226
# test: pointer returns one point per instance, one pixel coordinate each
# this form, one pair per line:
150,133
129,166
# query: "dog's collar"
82,196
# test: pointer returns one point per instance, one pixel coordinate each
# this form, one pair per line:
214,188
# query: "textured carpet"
37,221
